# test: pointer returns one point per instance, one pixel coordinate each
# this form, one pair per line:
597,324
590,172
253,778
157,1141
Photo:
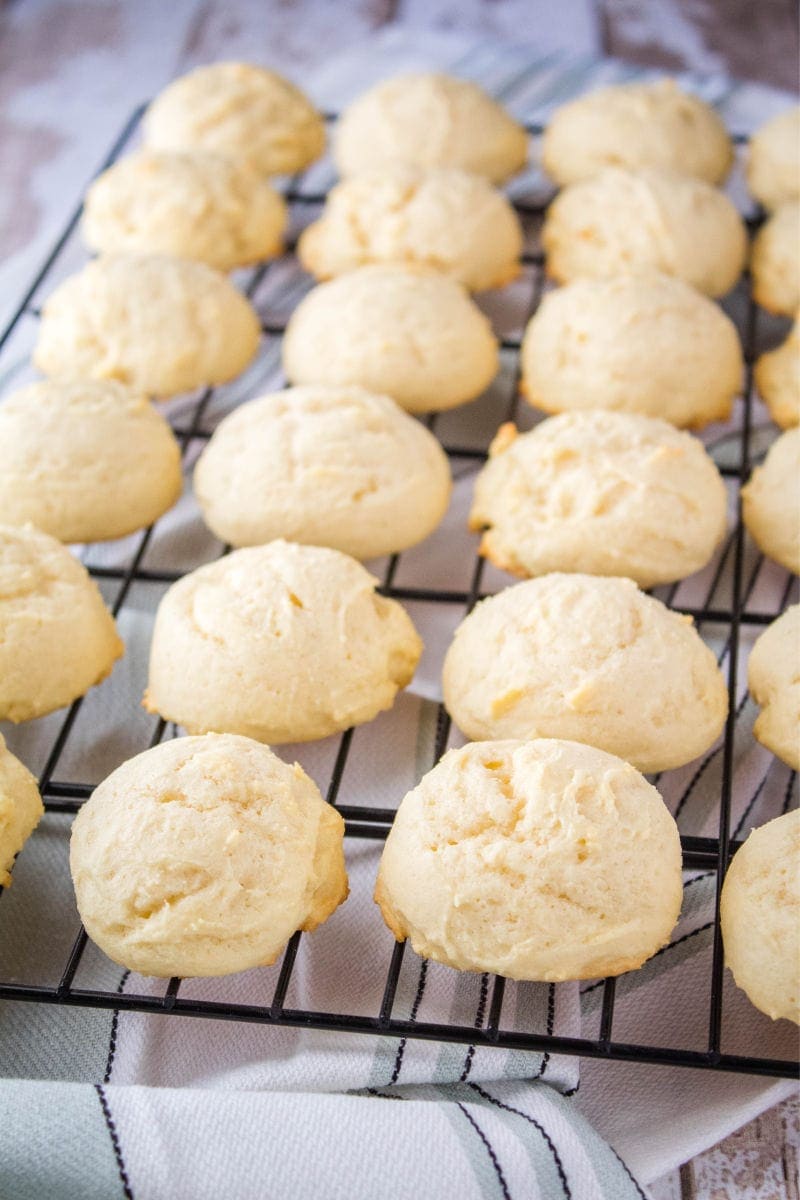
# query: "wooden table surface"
70,70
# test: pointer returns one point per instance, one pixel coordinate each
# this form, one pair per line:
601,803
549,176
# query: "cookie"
771,502
635,125
622,220
645,343
760,915
244,112
163,325
333,467
543,860
407,333
428,120
773,160
773,677
600,493
591,660
21,809
203,856
775,262
196,205
777,375
57,638
282,643
85,461
445,219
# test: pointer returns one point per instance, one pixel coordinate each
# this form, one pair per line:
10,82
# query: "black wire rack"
711,854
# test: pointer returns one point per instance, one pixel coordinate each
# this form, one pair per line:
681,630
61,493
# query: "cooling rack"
711,854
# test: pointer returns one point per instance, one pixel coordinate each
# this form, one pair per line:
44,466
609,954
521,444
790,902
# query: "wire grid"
372,822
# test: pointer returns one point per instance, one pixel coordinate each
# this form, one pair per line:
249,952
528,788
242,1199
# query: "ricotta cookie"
446,219
777,375
244,112
760,915
21,809
775,262
773,160
282,643
773,677
621,220
543,860
636,125
600,493
85,461
57,638
197,205
429,120
162,325
771,502
644,343
203,856
588,659
333,467
413,335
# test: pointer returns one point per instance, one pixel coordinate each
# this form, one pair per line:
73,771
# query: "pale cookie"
773,677
543,860
85,461
283,643
163,325
644,343
429,120
653,124
777,376
600,493
773,160
411,334
771,502
57,638
625,220
775,262
21,809
447,220
203,856
244,112
593,660
760,915
195,205
336,467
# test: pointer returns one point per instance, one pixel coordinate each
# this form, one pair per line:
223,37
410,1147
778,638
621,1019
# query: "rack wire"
363,822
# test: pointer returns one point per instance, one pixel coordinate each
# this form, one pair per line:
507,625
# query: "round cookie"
600,493
645,343
21,809
771,502
591,660
622,220
773,160
203,855
544,860
85,461
445,219
282,643
197,205
777,376
634,125
411,334
760,916
773,677
775,261
244,112
335,467
427,120
161,324
57,638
